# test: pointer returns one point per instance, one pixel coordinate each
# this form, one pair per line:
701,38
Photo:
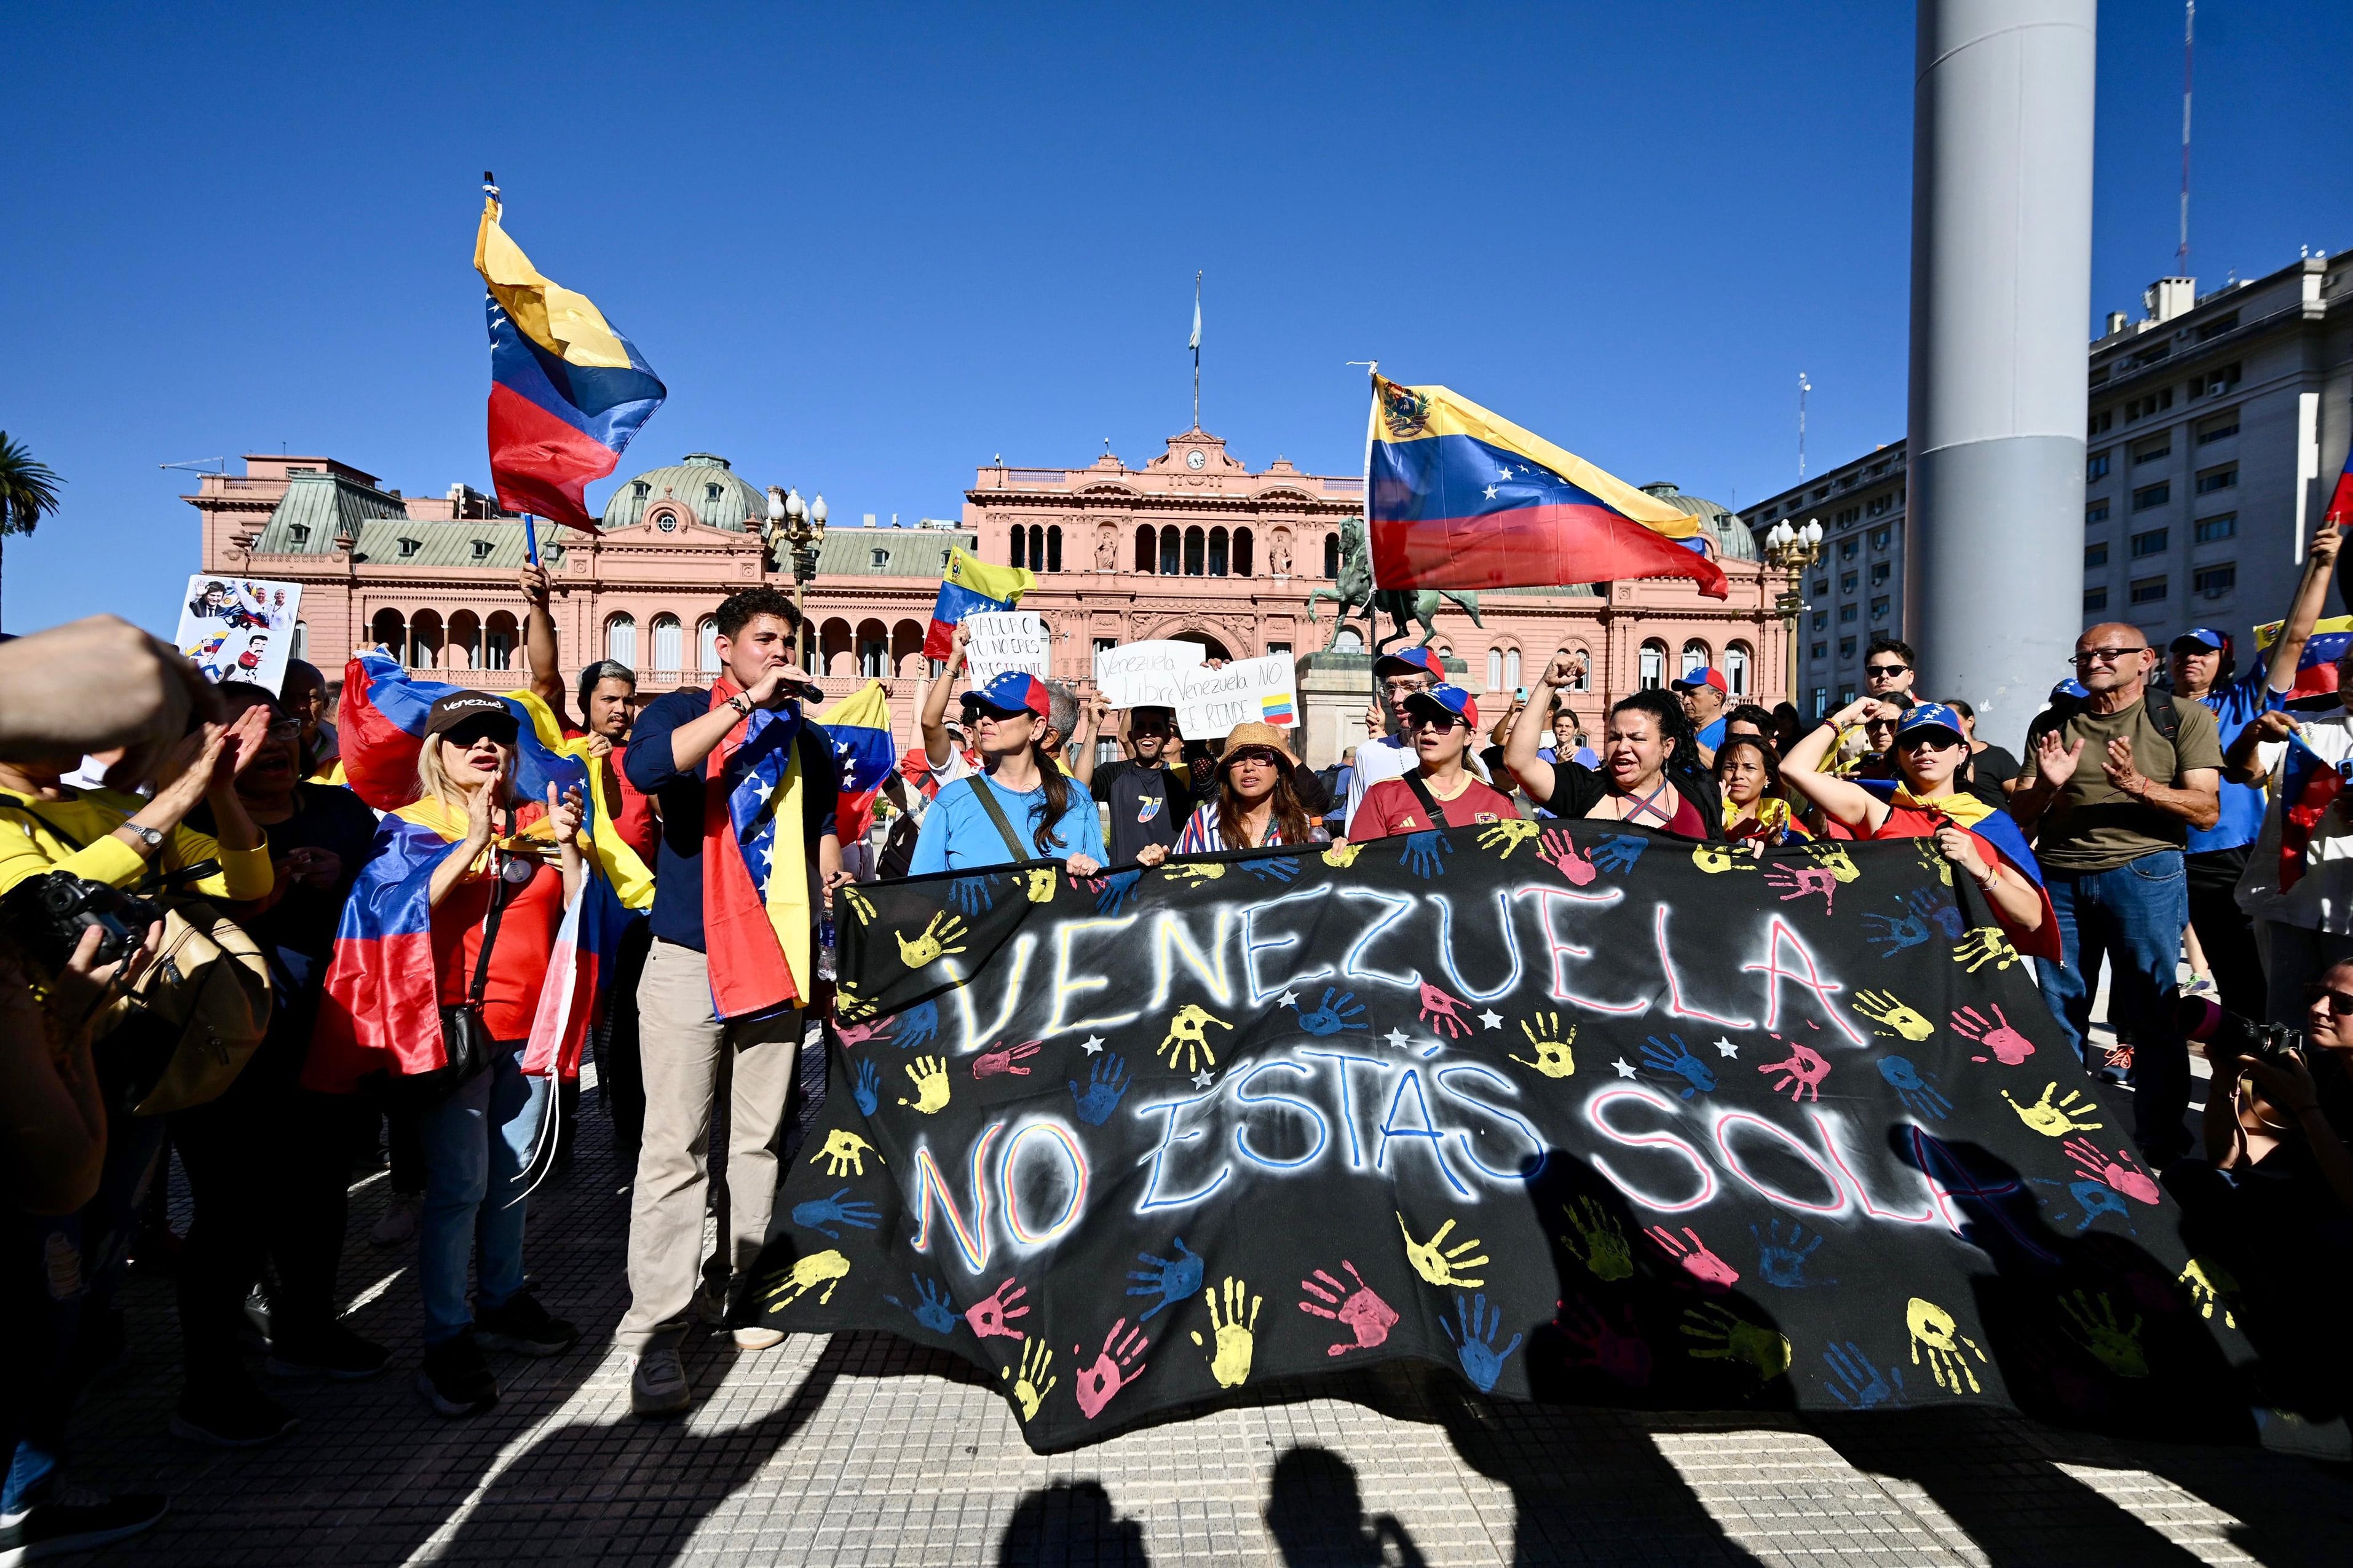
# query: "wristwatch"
150,836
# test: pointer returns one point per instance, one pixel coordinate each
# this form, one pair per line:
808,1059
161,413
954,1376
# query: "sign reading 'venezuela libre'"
1580,1113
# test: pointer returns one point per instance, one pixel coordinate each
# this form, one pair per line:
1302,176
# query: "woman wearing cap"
1650,775
1021,807
1755,808
1929,750
1257,802
1441,723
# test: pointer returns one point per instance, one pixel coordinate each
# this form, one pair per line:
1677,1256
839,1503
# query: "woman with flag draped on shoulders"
1980,841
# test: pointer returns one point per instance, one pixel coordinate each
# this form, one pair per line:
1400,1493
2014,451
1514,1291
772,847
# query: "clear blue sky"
869,246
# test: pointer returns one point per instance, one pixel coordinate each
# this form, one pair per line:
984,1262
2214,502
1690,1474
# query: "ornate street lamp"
1793,550
799,526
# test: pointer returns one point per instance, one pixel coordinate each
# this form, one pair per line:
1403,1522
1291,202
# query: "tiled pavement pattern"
866,1449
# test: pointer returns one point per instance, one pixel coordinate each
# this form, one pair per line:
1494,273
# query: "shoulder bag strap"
1422,793
979,783
17,802
490,924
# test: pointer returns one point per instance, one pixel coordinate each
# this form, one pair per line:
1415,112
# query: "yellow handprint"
828,1269
1833,859
2210,1287
1553,1057
1933,859
1508,835
1231,1363
848,1004
1042,884
1342,853
931,1076
2112,1343
1725,1335
1985,945
945,929
1935,1328
1714,859
1187,1034
1882,1008
860,905
1437,1266
1195,872
1599,1242
1031,1394
2056,1121
844,1151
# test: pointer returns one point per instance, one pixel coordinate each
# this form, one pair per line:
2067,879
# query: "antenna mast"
1804,386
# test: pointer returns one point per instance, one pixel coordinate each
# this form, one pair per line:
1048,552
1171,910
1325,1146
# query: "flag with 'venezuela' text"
1459,496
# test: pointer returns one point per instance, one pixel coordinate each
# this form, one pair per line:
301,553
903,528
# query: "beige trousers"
686,1052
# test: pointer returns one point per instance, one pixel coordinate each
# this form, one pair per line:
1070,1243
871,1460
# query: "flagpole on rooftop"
1196,346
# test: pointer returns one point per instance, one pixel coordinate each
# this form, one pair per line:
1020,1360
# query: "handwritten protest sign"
1144,674
239,628
1004,640
1210,702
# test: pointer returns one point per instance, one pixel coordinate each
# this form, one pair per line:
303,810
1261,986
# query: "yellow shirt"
39,836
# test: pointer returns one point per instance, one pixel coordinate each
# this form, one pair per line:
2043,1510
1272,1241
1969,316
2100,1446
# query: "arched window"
499,637
1054,549
874,650
1494,668
1652,666
621,640
1584,681
1172,549
1331,555
706,645
1020,537
1349,641
423,640
906,644
668,636
465,640
1511,668
1736,669
834,645
1194,550
387,630
301,645
1242,552
1217,552
1147,549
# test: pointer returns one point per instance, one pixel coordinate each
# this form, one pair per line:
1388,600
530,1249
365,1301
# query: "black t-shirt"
1148,806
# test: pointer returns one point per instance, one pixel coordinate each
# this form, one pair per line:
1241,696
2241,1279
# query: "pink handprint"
990,1315
854,1035
1796,881
2008,1047
1444,1012
1559,850
1368,1317
1115,1367
1802,1074
1712,1272
1615,1348
2125,1173
988,1064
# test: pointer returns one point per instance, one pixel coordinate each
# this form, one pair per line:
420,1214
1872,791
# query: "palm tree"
29,491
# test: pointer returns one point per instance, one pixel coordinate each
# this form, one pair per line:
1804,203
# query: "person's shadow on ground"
1315,1512
1070,1521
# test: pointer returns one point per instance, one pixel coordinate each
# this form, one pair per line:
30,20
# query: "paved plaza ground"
863,1448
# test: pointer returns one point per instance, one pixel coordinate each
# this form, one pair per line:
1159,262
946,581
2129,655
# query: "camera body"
47,914
2226,1035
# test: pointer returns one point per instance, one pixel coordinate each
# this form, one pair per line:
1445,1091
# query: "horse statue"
1355,595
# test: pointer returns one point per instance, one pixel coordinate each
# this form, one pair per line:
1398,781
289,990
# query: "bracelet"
740,702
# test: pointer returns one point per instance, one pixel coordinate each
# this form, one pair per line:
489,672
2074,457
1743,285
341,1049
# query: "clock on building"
1195,459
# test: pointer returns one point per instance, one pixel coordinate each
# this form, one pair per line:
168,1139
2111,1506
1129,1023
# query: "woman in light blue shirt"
1040,812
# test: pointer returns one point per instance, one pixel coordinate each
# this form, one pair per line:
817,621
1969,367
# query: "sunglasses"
1932,742
2340,1004
1885,669
1259,755
468,736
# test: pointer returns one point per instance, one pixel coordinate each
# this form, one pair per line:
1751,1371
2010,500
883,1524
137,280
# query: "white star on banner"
1726,1047
1397,1040
1625,1068
1203,1078
1492,1018
1093,1045
1491,492
1288,999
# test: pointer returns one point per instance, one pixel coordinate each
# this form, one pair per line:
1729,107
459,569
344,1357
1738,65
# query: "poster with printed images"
241,628
1007,640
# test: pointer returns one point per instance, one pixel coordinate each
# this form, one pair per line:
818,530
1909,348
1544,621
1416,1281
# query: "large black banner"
1585,1114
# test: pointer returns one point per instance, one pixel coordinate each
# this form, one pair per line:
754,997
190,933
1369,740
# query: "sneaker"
230,1414
658,1387
521,1324
711,1302
398,1221
456,1378
332,1351
73,1520
758,1339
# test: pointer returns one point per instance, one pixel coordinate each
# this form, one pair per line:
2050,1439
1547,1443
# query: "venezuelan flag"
2316,671
2308,786
968,587
1458,496
567,391
863,754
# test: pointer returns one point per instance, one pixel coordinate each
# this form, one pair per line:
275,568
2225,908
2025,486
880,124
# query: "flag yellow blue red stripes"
968,586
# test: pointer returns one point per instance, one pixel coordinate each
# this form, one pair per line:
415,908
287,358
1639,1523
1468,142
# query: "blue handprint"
1331,1015
1273,867
1681,1063
1619,854
2095,1198
1855,1382
1482,1363
973,895
1170,1278
1938,906
1899,932
1117,889
1916,1089
1426,852
1107,1080
930,1307
917,1025
823,1214
866,1087
1782,1261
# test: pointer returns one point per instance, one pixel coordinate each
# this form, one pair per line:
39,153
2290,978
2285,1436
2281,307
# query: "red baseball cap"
1703,677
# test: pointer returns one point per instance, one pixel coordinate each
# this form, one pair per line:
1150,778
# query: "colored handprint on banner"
1620,852
828,1269
1474,1347
1188,1037
1343,854
1677,1061
849,1003
1830,856
1781,1261
1855,1382
1193,873
990,1064
930,1306
1553,1057
860,907
1112,891
1367,1317
1026,1389
1717,858
2095,1199
1338,1011
1426,852
1235,1334
1939,1332
1115,1366
1611,1342
2125,1174
1273,867
1802,1075
973,895
1438,1266
2057,1120
1039,882
2113,1344
1170,1278
1442,1013
1897,932
1794,883
944,935
866,1087
1933,859
1985,945
1916,1089
823,1214
1600,1244
1712,1272
918,1026
2211,1288
844,1153
1508,835
930,1075
1722,1334
1899,1018
1560,851
853,1036
1107,1082
2008,1047
993,1314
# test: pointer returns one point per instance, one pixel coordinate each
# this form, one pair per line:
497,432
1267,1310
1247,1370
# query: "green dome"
703,484
1732,540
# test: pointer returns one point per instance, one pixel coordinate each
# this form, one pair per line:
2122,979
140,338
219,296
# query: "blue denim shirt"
2235,706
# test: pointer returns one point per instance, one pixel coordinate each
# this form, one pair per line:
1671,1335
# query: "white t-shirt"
2322,898
1393,759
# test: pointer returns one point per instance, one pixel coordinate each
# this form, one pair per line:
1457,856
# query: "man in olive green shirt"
2118,780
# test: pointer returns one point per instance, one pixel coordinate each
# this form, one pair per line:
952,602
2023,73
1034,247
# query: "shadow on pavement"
1070,1521
1315,1512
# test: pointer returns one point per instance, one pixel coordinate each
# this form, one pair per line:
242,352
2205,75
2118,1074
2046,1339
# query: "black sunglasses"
2341,1002
1885,668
